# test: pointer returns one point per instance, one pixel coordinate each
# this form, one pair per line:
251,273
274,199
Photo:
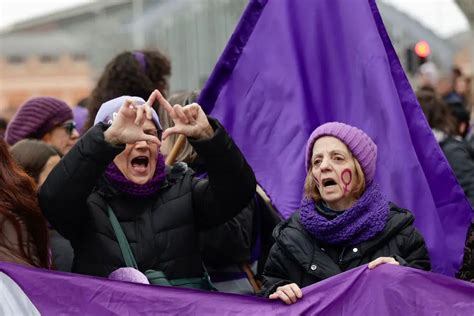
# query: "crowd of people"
138,187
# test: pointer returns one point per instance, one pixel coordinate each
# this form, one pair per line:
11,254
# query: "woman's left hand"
189,120
382,260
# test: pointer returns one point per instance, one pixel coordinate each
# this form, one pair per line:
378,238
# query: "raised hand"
127,125
189,120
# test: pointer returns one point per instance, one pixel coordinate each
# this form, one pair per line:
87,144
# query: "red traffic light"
422,49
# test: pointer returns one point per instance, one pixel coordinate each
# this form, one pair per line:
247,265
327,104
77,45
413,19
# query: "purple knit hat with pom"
359,143
36,117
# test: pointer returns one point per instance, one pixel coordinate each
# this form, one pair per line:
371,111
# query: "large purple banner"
293,65
387,290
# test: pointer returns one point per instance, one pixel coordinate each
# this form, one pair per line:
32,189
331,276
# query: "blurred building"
63,53
30,68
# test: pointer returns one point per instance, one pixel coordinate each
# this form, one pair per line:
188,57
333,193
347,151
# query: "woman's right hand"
127,125
289,293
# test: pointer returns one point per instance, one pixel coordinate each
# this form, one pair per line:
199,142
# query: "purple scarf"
118,180
365,219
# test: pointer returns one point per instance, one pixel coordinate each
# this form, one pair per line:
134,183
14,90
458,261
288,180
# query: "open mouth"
328,182
140,163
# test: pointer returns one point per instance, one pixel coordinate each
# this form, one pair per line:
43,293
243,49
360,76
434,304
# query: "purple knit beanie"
359,143
36,117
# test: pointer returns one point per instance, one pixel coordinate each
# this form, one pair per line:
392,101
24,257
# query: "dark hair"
124,75
437,112
32,155
3,123
19,207
83,102
3,127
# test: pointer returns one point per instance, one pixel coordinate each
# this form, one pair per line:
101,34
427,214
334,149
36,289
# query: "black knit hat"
36,117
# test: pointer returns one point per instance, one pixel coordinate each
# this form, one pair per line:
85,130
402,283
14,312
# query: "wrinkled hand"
382,260
189,120
127,126
289,293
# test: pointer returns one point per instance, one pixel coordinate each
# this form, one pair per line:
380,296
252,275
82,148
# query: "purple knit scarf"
118,180
365,219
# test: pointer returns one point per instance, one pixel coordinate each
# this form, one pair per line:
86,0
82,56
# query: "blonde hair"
187,153
311,190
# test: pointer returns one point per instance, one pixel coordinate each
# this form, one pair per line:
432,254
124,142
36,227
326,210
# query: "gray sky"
12,11
442,16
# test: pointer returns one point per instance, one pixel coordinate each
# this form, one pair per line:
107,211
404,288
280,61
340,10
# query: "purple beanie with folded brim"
36,117
128,275
359,143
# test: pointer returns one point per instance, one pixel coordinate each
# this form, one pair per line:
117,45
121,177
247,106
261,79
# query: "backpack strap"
155,277
127,253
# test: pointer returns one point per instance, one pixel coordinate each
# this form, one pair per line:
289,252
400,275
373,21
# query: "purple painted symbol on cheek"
346,178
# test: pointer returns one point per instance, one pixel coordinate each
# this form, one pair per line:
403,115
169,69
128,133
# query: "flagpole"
177,147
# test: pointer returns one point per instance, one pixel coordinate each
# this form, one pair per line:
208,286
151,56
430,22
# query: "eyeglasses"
69,127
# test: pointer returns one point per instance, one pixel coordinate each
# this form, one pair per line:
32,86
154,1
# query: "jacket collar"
301,247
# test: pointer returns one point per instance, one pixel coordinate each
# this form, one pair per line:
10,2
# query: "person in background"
136,73
344,221
23,232
427,76
37,159
115,183
460,114
445,129
461,159
44,118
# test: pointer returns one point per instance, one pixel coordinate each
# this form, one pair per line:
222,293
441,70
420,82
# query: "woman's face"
62,137
48,166
334,170
138,161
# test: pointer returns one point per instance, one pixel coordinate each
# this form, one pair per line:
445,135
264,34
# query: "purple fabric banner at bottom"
387,290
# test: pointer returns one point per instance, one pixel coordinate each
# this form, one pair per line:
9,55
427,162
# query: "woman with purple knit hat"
344,220
44,118
130,217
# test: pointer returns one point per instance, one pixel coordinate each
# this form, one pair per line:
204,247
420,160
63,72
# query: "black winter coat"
162,230
297,257
461,159
231,242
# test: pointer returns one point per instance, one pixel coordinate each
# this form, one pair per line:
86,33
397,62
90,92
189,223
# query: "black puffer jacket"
163,229
296,257
461,159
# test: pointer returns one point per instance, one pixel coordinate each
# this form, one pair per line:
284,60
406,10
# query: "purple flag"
293,65
387,290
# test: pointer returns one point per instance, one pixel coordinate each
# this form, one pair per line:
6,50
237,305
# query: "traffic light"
416,55
422,49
